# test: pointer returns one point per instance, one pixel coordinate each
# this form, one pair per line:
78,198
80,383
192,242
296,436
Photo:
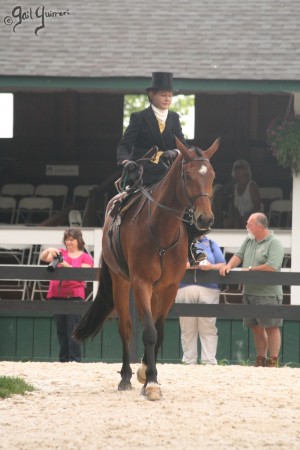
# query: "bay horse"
151,260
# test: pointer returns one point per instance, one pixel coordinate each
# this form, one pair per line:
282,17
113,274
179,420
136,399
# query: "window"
184,105
6,115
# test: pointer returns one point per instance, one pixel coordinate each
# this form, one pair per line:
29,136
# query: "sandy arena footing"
78,407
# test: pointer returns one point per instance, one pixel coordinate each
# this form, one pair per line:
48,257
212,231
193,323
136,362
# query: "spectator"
207,255
72,256
261,251
245,196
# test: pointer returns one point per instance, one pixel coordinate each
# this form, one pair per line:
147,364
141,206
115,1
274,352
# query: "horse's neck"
168,203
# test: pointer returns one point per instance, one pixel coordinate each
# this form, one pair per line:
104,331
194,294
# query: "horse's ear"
183,150
212,149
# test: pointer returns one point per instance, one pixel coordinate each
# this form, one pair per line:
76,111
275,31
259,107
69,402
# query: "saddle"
121,203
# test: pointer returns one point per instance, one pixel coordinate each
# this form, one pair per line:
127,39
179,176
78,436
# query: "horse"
146,250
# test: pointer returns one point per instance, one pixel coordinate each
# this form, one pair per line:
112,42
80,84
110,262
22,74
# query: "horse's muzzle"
203,222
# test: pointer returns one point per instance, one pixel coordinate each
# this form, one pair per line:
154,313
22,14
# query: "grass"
223,362
13,385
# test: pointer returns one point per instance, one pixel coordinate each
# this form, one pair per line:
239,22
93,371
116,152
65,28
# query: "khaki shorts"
263,322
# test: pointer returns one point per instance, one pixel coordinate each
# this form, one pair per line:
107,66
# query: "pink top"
70,288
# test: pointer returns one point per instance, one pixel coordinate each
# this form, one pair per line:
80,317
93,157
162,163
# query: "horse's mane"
174,167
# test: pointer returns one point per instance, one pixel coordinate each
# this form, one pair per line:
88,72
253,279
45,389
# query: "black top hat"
162,81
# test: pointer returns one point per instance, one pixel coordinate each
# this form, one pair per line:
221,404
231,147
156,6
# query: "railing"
225,311
237,311
225,238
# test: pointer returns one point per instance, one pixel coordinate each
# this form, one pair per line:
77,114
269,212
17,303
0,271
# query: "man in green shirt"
261,251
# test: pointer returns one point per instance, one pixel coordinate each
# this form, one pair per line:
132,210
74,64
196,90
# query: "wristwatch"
250,267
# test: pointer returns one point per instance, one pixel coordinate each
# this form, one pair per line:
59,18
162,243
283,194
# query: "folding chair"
7,209
75,218
80,197
280,213
33,210
267,195
57,192
17,189
9,254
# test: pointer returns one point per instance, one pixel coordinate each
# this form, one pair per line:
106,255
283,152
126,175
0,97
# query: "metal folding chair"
7,209
22,255
57,192
32,210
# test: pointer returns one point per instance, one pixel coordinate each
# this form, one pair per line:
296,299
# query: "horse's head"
198,176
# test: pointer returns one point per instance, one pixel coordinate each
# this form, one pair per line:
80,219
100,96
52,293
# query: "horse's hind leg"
126,372
121,296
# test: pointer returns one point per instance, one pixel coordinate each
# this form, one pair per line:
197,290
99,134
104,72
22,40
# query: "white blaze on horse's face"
203,170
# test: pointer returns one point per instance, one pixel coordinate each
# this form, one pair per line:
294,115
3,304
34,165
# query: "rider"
153,128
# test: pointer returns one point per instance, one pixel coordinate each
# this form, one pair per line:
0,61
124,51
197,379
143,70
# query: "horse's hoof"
124,386
152,392
141,373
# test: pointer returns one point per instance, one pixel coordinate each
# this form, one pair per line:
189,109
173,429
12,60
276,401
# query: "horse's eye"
187,177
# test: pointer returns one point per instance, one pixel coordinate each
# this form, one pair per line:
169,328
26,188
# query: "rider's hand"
169,156
131,170
130,166
131,175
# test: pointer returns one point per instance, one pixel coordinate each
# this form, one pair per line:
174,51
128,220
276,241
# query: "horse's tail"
103,304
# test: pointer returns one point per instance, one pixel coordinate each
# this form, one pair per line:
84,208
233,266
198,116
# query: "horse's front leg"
168,295
151,388
141,372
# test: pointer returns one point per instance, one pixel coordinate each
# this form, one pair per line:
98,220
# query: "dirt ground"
77,406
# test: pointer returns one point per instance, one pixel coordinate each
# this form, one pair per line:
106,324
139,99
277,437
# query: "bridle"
202,194
191,206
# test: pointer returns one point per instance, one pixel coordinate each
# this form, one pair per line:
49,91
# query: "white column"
295,290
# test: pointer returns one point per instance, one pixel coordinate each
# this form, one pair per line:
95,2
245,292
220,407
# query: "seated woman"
246,198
